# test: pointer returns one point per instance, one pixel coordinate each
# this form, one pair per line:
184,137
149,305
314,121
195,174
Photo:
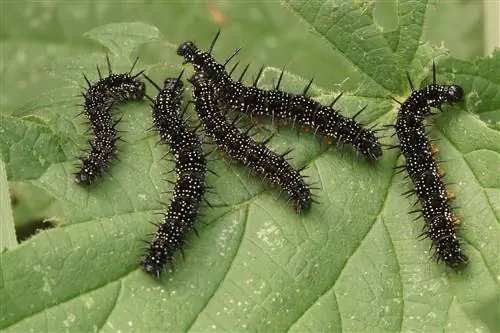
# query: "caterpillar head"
173,84
187,50
83,178
123,87
436,94
199,79
152,266
139,91
454,93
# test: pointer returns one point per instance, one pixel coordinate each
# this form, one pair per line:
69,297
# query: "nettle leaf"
353,263
121,38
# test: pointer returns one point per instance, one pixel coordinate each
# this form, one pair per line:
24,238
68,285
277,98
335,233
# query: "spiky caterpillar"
240,147
100,99
298,109
190,167
440,223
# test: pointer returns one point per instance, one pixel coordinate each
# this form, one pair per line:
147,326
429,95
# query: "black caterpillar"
299,109
241,147
190,167
100,100
441,224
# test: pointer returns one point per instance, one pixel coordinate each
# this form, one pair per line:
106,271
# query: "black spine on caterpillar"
441,224
242,148
190,167
100,99
299,109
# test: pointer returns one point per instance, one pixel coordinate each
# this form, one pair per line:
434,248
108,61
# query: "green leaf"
122,39
353,263
29,148
8,233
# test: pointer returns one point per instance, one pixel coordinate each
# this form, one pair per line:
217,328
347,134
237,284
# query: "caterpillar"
240,147
297,108
421,165
100,99
190,167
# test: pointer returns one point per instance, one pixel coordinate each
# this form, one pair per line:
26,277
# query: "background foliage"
351,264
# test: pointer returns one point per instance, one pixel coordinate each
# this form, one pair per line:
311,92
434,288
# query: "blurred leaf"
467,39
7,230
122,39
